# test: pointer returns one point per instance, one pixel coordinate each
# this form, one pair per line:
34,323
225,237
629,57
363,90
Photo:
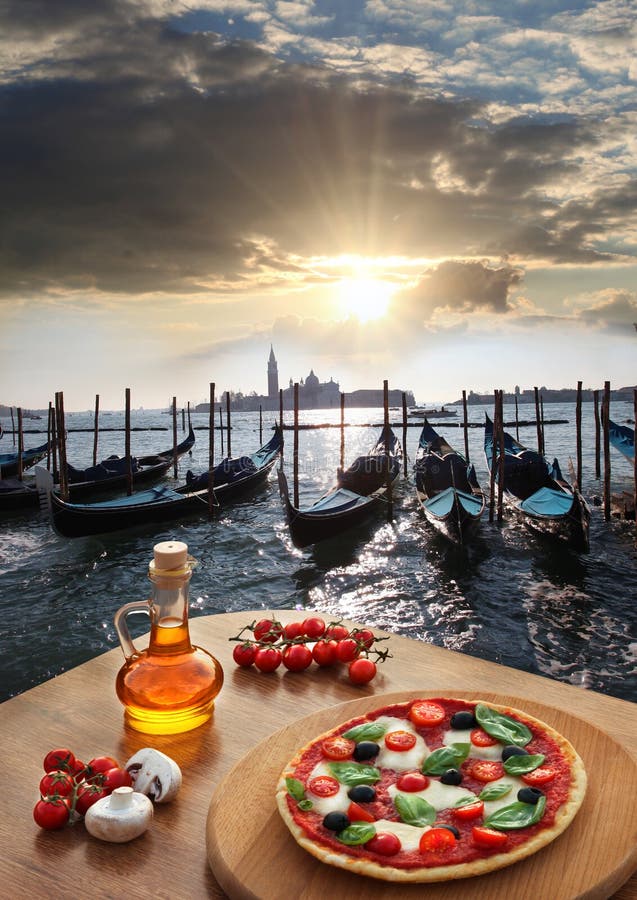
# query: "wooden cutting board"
253,855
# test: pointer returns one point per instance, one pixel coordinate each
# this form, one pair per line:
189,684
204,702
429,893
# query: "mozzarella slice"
408,835
437,794
401,760
463,736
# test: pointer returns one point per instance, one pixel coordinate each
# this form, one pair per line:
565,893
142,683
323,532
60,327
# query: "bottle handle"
121,627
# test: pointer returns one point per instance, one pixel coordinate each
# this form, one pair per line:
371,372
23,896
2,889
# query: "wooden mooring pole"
175,456
501,457
260,425
61,430
20,444
538,421
598,470
404,398
295,451
465,425
211,451
228,422
281,424
578,434
129,467
96,426
342,448
606,445
493,458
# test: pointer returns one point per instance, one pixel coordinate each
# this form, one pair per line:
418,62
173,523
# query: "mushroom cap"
120,817
155,774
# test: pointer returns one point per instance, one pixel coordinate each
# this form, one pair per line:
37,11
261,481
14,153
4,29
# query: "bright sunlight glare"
365,298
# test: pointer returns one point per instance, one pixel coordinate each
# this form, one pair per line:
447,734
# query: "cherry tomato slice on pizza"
400,741
540,776
469,811
356,813
427,713
486,770
323,786
479,738
337,747
437,839
488,837
410,782
384,843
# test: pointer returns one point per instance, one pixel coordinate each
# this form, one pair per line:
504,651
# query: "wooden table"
80,710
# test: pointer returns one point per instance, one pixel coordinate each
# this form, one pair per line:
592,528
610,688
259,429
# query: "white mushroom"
154,774
120,817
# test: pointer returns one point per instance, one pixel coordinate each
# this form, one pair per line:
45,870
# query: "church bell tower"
273,375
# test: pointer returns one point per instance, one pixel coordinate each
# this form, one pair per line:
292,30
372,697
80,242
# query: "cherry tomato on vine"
337,747
79,770
116,778
347,649
314,627
488,837
100,764
539,776
293,630
59,760
384,843
411,782
52,813
244,654
469,810
87,795
426,712
267,659
436,840
486,770
336,632
364,636
324,653
324,786
362,670
57,783
297,657
480,738
400,741
267,630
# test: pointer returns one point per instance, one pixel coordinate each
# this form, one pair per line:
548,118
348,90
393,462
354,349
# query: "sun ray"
365,298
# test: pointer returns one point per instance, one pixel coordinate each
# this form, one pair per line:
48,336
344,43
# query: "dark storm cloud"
138,158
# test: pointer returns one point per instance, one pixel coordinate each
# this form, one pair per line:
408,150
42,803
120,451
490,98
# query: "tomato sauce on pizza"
432,790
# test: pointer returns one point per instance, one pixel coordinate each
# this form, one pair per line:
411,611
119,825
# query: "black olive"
451,776
366,750
451,828
512,750
336,821
529,795
362,793
464,719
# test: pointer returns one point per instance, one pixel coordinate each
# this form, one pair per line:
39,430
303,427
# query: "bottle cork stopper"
170,555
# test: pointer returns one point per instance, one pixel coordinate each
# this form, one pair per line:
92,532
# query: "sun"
364,298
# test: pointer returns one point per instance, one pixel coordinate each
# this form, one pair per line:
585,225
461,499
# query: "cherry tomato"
540,776
488,837
87,795
384,843
412,781
58,783
59,760
364,636
323,786
436,840
486,770
293,630
52,813
267,630
78,770
337,747
314,627
480,738
297,657
362,670
347,650
469,811
116,778
100,764
356,813
336,632
324,653
400,741
243,654
426,712
267,659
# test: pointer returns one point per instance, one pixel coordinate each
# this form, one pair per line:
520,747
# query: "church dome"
311,381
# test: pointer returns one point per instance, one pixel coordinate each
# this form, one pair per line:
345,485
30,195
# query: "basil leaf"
356,833
305,805
295,788
367,731
414,810
445,758
351,773
516,815
495,791
464,801
502,728
518,765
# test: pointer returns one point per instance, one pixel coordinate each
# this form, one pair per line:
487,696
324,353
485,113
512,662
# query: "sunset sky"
438,193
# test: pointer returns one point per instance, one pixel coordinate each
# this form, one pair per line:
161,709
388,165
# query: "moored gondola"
623,439
9,461
358,492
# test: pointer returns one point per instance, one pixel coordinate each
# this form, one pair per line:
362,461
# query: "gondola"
447,487
623,439
537,491
9,461
233,477
358,492
111,473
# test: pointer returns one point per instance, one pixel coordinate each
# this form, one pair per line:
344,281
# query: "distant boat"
358,492
441,413
447,487
623,439
9,461
537,491
232,478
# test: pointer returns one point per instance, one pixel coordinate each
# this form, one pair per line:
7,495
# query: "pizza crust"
563,817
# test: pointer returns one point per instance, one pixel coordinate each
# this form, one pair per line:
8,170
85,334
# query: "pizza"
431,790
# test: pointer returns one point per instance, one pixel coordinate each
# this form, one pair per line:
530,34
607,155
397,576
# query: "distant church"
313,394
